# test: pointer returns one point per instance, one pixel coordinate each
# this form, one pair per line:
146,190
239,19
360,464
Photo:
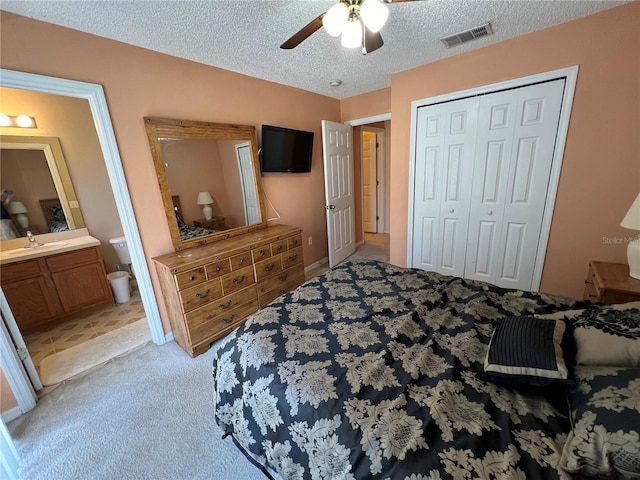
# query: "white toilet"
119,244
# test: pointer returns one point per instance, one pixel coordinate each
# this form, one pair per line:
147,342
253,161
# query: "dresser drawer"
221,306
237,280
292,257
279,247
190,278
241,261
205,324
197,296
268,267
217,269
261,253
271,288
294,242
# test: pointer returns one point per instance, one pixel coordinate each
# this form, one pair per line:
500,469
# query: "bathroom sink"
24,250
61,243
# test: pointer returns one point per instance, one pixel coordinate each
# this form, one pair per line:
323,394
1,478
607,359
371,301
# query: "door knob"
451,211
490,212
330,207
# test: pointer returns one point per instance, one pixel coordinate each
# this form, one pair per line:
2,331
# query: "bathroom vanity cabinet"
47,290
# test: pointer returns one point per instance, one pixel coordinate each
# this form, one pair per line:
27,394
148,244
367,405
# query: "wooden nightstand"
610,283
215,223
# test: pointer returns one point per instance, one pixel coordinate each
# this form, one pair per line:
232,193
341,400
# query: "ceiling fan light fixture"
335,19
352,34
374,14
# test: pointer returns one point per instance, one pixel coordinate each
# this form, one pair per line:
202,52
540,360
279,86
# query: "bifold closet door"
514,151
481,175
443,176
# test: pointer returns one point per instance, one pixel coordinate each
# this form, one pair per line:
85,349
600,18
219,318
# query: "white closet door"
534,140
496,119
443,172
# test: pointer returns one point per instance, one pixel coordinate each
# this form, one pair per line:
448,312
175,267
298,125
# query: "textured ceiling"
244,35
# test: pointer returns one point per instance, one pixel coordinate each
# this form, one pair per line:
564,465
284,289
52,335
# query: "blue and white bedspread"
373,371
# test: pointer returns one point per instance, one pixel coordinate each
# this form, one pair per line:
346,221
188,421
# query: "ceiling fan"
357,22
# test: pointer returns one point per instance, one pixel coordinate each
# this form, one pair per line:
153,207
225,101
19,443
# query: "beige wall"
7,399
601,169
70,120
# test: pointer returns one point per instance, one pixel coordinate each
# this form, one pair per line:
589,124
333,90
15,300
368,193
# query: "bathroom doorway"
116,186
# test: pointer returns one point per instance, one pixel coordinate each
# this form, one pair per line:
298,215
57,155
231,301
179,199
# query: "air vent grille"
467,35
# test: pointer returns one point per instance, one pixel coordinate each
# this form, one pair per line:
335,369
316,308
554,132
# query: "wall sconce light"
19,121
204,198
18,209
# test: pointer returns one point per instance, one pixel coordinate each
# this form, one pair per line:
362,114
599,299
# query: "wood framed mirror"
201,162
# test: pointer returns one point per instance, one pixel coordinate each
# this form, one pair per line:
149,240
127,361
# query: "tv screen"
285,150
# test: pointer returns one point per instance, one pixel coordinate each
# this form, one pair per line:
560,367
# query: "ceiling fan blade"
304,33
371,41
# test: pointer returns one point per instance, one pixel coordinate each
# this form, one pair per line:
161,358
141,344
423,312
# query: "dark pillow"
604,442
529,351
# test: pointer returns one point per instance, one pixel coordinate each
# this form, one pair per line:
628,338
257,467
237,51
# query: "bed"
376,371
187,231
54,215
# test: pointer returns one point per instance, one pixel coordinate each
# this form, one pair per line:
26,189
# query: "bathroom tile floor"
73,332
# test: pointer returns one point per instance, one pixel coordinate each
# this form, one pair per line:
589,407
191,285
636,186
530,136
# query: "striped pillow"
530,351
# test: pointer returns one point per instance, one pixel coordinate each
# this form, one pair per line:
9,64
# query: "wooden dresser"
209,290
610,283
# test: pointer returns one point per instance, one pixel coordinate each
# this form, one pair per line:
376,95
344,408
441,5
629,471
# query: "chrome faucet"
32,241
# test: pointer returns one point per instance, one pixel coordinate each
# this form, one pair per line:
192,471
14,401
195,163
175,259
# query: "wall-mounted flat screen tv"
285,150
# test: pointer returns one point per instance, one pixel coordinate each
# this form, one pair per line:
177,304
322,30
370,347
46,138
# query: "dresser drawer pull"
192,278
239,280
269,267
280,247
262,253
203,295
293,257
228,320
224,306
241,261
587,282
282,278
218,268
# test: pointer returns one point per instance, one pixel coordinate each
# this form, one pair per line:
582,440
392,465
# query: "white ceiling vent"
467,35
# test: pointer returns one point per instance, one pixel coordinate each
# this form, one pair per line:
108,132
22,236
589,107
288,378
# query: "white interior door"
446,136
337,149
249,194
534,142
369,182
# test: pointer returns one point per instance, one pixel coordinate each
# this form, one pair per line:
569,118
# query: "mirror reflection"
209,179
37,194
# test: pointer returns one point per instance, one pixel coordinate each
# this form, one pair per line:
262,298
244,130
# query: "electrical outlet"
310,240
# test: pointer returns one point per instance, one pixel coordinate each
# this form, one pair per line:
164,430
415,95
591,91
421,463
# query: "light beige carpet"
75,360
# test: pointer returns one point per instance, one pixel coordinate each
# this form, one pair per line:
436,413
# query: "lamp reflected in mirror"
18,209
204,198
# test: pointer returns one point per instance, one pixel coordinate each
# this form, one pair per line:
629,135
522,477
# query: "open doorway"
371,174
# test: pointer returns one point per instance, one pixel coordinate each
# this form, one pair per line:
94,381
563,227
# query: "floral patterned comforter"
375,371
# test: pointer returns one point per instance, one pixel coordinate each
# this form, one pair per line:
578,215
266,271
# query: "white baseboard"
11,414
315,265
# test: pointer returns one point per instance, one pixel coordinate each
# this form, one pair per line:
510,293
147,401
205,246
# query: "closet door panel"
534,138
427,188
443,170
497,116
